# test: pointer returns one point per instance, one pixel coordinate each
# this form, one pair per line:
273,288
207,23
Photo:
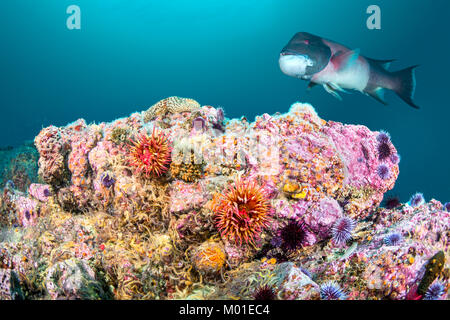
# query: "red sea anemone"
151,154
242,212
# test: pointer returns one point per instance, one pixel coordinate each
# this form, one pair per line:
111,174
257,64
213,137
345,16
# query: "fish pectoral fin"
342,61
311,85
331,91
377,94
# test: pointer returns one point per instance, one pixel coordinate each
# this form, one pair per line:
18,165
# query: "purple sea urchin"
47,192
447,206
292,236
342,230
395,158
416,200
265,293
383,137
383,171
107,180
435,291
393,239
332,291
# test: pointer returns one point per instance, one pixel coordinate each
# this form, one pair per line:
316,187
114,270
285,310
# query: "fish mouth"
288,53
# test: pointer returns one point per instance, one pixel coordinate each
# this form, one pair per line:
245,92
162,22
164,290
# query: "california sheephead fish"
337,68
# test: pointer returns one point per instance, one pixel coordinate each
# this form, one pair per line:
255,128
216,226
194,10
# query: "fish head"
304,55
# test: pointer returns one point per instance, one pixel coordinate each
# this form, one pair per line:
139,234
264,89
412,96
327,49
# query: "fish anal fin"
378,94
343,60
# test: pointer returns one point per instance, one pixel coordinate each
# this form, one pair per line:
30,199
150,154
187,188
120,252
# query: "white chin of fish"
294,66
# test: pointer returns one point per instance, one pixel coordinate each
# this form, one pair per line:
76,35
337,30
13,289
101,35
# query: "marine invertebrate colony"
219,223
209,258
151,154
242,212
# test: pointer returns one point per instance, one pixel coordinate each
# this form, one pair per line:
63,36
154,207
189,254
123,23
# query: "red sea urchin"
392,202
264,293
292,236
242,212
151,154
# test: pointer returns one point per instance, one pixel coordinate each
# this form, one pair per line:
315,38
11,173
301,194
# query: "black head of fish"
311,47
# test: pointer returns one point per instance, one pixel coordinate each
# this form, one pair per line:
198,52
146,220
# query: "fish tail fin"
406,85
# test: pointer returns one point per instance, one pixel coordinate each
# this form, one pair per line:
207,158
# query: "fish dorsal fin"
385,64
342,60
378,94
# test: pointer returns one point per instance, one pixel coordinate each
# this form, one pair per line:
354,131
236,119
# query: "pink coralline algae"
40,192
27,211
52,150
94,227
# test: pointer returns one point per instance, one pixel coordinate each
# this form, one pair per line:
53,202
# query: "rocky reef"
179,202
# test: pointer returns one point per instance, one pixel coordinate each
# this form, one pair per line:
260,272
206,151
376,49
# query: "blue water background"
130,54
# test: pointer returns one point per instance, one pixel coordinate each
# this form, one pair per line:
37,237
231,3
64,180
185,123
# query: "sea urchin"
383,171
384,150
435,291
242,212
392,202
331,291
393,239
342,230
264,293
292,236
447,206
151,154
417,200
383,137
